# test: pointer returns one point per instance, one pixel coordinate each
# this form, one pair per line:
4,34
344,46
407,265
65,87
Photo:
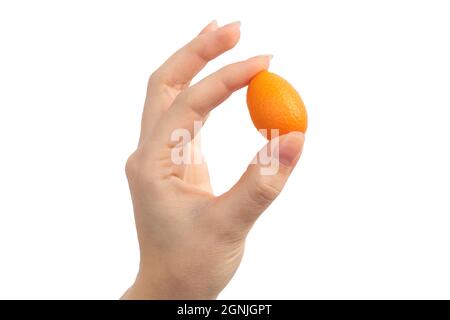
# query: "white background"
365,215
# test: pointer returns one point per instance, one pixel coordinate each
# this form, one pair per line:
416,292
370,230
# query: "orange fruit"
274,104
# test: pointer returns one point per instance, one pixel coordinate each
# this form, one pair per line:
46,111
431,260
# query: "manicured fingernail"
238,23
267,56
213,23
290,147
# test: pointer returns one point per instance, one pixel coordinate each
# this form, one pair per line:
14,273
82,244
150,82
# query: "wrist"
141,290
151,286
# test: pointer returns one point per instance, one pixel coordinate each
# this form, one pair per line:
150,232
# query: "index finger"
183,65
196,102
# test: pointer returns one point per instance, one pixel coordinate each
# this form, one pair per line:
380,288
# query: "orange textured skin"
274,104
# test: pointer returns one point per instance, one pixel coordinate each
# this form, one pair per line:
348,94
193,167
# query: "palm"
197,174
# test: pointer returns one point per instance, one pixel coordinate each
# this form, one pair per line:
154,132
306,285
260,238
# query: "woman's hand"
191,242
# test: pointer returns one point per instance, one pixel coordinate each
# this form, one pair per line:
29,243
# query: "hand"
191,242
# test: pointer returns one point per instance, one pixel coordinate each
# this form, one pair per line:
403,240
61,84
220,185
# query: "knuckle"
137,170
132,165
263,192
153,79
226,39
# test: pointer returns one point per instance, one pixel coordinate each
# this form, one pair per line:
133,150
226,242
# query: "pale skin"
191,241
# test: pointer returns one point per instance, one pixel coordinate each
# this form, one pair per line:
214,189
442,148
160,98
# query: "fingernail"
213,23
267,56
290,147
238,23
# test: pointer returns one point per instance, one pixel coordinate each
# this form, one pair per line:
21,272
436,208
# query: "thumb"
263,181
